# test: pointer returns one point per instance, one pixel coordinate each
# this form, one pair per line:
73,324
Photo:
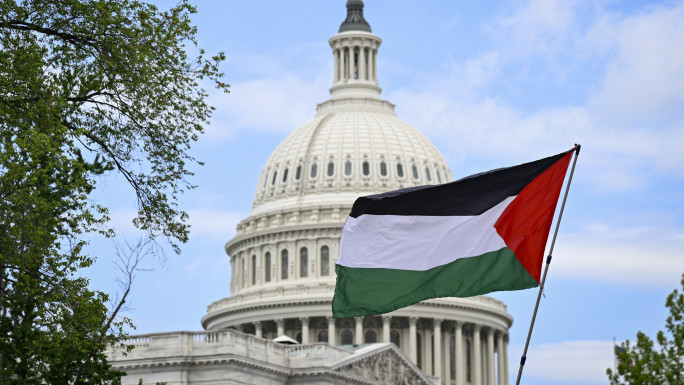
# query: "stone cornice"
425,309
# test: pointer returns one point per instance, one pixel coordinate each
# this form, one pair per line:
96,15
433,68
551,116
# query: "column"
446,346
257,327
362,63
437,341
460,356
491,375
280,323
375,64
427,352
350,62
346,52
477,356
305,329
505,359
331,331
358,333
499,358
386,328
413,353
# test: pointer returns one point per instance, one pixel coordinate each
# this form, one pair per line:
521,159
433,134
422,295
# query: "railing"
229,342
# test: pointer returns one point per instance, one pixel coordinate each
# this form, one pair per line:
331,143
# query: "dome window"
439,177
347,168
298,173
267,269
347,337
331,168
325,261
285,175
303,262
400,170
365,167
383,168
314,170
283,264
275,176
427,174
370,337
414,169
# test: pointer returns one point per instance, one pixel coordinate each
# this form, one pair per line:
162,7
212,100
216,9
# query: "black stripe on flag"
471,195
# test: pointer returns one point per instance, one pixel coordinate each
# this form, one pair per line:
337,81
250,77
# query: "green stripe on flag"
366,291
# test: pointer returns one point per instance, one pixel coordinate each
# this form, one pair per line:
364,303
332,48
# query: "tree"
88,89
644,363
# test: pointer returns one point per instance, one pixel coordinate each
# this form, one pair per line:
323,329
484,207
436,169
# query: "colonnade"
356,62
457,352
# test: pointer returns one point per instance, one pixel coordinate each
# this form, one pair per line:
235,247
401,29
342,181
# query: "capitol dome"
283,253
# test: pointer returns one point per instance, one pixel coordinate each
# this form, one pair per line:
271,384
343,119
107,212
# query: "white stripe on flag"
410,242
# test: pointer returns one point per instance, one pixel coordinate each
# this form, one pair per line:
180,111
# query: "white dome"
353,147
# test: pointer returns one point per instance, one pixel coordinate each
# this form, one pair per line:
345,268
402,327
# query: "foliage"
644,363
88,89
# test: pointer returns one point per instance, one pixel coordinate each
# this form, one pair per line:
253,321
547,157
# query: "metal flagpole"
546,269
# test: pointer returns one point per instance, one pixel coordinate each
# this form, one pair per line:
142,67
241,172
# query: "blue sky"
492,84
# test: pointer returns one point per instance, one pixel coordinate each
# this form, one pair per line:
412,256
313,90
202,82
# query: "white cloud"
637,257
568,361
275,99
204,222
644,81
537,26
213,223
631,123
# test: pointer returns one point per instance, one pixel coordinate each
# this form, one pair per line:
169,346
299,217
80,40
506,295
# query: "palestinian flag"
483,233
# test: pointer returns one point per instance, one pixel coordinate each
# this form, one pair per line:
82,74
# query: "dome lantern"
355,49
355,20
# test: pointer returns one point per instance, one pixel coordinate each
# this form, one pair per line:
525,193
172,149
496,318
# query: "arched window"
427,174
414,169
347,168
383,168
298,173
394,337
323,336
331,168
347,337
370,337
365,168
254,269
285,175
325,260
283,264
267,268
314,170
303,262
298,337
400,170
275,175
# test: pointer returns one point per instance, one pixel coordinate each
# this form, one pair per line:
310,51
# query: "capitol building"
276,327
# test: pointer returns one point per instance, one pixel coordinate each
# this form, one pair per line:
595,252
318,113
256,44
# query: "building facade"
283,254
